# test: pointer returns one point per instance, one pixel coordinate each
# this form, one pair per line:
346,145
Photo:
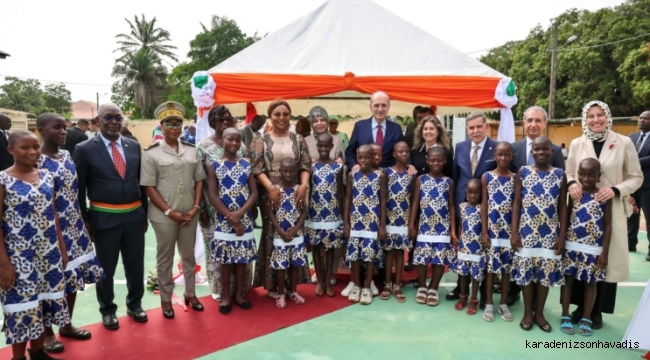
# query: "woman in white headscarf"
319,121
620,177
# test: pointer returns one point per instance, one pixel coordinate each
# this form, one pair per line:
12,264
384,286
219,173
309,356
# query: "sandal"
545,327
319,290
281,301
421,297
525,326
432,297
566,326
488,313
330,293
297,298
55,347
388,289
585,327
471,309
462,302
399,295
505,313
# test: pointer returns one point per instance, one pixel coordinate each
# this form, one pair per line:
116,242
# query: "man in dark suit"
108,167
535,122
534,125
76,135
419,113
375,130
6,159
474,157
642,196
249,131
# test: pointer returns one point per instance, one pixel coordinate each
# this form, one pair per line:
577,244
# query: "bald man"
6,159
108,167
376,129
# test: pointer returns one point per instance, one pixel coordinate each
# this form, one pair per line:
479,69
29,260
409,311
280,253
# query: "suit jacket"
463,168
644,159
409,135
521,157
6,159
362,135
99,179
619,163
74,137
246,135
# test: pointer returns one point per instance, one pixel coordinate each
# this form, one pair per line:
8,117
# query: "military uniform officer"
173,178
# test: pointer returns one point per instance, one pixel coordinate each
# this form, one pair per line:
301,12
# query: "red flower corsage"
611,146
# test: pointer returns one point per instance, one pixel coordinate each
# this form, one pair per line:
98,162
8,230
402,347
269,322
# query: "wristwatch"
167,212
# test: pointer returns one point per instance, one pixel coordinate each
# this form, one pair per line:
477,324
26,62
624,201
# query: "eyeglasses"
110,118
172,125
225,119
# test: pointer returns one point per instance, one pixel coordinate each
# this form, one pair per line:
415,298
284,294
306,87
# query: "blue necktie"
531,161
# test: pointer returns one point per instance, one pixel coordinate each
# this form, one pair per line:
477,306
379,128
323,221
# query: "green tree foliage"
142,77
617,73
210,47
27,95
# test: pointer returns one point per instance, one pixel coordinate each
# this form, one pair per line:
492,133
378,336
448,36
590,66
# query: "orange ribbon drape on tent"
469,91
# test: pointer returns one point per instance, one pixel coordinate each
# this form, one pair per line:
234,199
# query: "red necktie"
380,136
118,160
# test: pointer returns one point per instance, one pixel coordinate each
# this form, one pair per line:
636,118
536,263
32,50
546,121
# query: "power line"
53,81
600,45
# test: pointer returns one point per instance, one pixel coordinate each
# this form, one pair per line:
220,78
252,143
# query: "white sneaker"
354,294
216,297
333,281
314,278
374,289
346,291
366,297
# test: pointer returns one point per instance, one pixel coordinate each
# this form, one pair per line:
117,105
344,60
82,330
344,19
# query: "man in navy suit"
534,125
474,157
108,167
642,196
375,130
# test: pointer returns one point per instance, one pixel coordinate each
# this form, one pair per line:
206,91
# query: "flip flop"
55,348
545,327
525,327
78,335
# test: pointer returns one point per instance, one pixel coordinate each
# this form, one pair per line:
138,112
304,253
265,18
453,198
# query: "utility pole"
551,93
98,100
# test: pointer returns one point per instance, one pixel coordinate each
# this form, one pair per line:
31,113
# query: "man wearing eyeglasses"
108,167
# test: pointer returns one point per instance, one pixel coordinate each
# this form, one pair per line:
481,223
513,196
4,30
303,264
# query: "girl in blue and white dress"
83,267
364,222
587,245
436,232
498,195
470,257
289,249
400,190
233,193
538,235
32,255
324,229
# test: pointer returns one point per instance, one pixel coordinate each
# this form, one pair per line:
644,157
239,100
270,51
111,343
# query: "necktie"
474,160
379,139
639,141
530,160
118,160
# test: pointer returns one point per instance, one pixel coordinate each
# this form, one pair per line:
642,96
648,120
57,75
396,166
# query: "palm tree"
142,74
145,35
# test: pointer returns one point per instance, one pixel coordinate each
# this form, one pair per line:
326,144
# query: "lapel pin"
126,145
611,146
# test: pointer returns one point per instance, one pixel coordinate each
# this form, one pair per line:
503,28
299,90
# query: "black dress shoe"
110,322
632,249
576,316
40,355
197,306
138,315
647,257
168,314
453,295
409,266
512,299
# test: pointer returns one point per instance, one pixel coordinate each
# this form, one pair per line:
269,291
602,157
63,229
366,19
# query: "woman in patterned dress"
433,196
233,193
470,257
32,255
538,235
364,222
324,229
266,153
497,198
83,267
210,149
400,189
